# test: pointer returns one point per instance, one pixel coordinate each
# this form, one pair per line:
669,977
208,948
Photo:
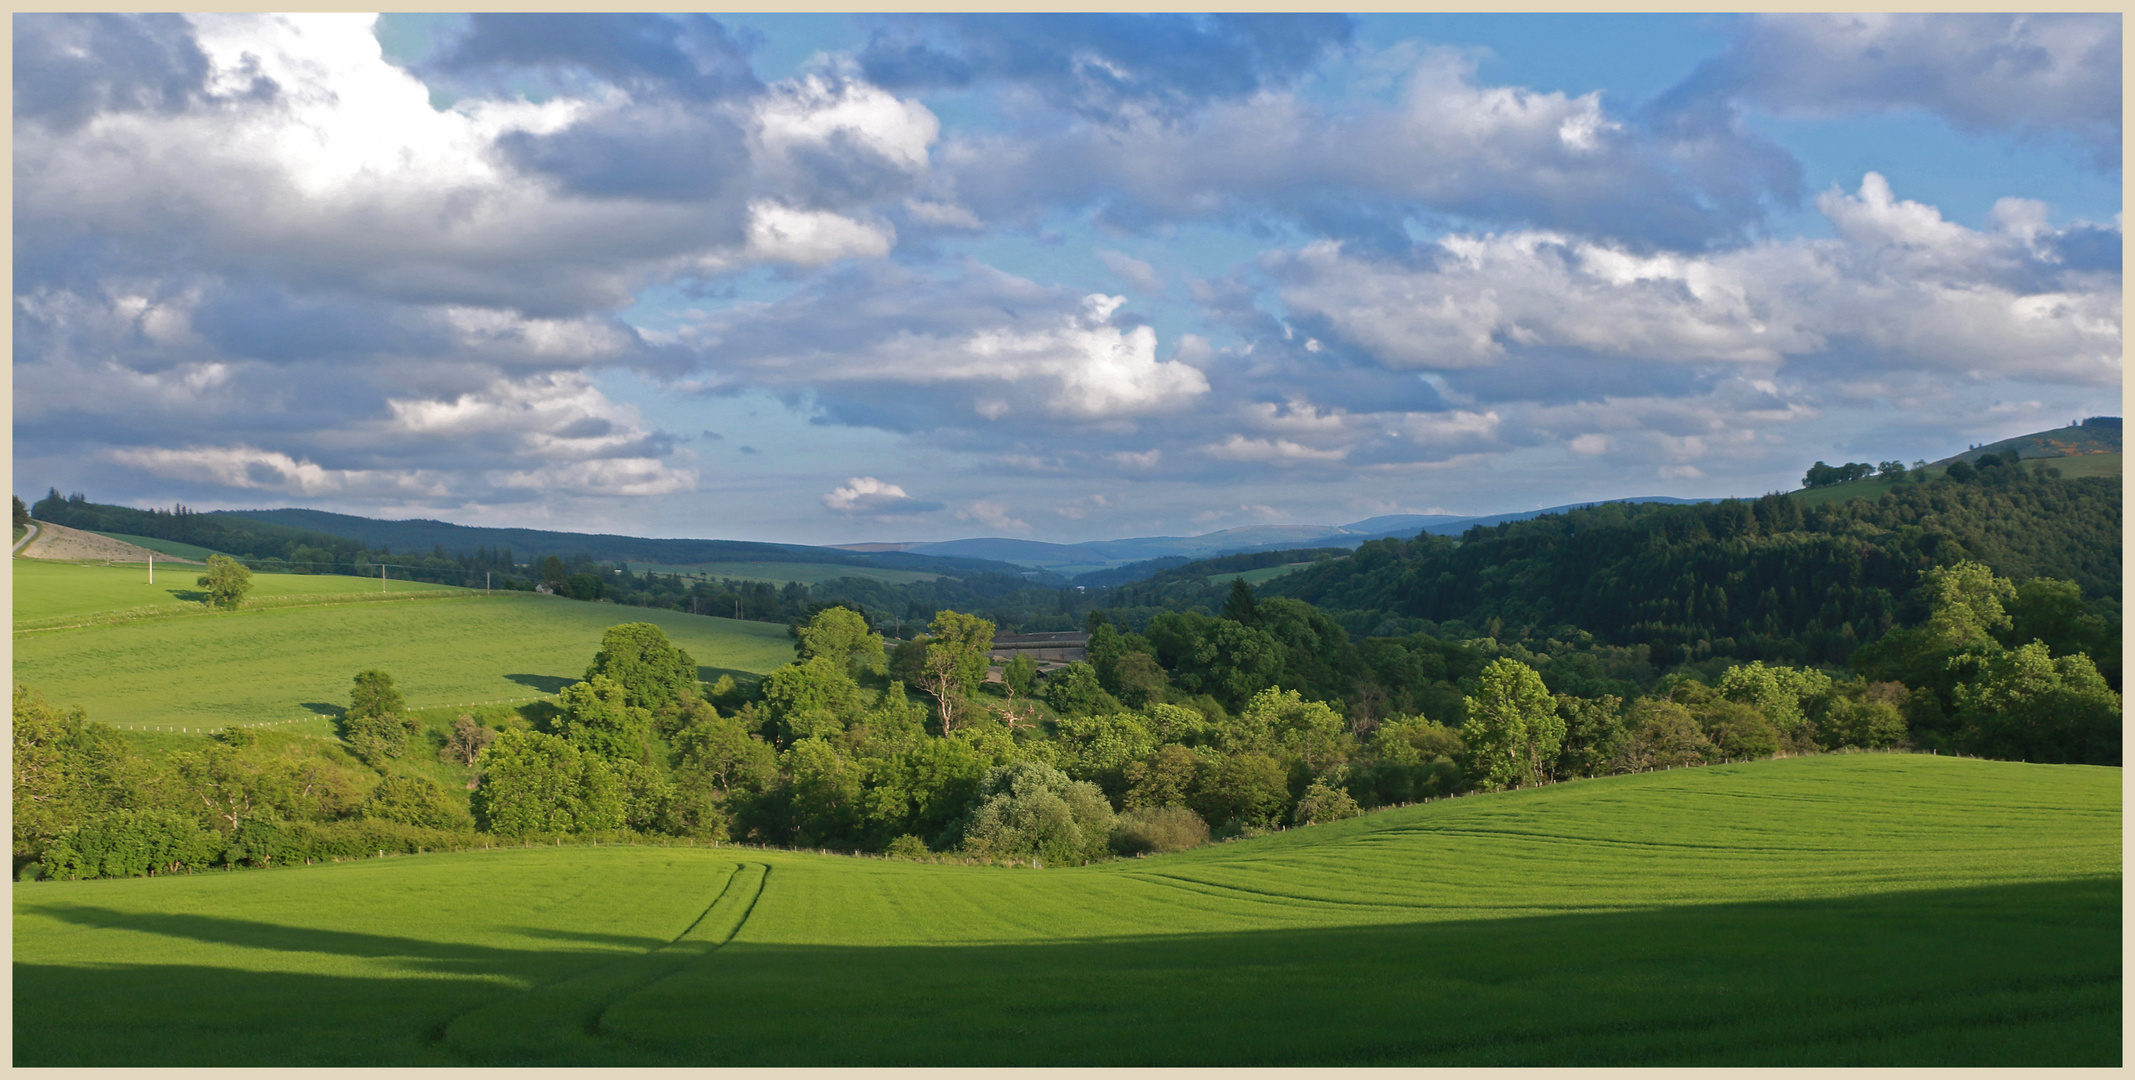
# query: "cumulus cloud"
867,496
2033,76
993,515
1446,145
1900,285
892,348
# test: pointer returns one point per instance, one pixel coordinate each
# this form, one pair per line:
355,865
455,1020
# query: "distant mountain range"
1001,554
531,545
1105,554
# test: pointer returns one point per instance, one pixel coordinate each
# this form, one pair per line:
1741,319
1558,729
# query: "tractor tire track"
559,1023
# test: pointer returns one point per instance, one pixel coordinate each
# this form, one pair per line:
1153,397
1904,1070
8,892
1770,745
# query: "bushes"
131,843
412,800
1155,830
1027,809
265,842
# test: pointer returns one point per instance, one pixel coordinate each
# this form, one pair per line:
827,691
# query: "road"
26,538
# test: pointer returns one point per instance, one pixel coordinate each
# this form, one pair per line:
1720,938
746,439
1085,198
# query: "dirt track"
61,544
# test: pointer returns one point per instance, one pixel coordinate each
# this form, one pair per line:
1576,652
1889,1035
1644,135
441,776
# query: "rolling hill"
1844,910
150,658
530,545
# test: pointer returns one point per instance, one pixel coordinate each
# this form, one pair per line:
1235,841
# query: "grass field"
46,592
166,547
290,666
1845,910
780,573
1255,577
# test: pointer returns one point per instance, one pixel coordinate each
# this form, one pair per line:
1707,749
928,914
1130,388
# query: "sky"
847,278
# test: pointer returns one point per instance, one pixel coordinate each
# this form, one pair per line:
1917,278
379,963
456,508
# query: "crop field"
780,573
1845,910
290,665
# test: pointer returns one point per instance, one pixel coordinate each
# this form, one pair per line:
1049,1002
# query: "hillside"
531,545
1765,579
2097,435
1102,561
58,543
1844,910
288,661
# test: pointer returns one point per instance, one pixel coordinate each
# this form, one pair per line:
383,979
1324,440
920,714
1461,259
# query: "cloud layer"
259,261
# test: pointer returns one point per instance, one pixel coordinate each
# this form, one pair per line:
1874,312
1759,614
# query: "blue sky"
834,278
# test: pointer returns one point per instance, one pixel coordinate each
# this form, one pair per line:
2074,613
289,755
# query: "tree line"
1190,728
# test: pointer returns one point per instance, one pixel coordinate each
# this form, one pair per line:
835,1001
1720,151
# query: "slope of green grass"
1856,910
48,591
782,572
291,666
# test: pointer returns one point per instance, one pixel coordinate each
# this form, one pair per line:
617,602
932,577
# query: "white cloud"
993,515
1914,288
865,495
2033,75
252,469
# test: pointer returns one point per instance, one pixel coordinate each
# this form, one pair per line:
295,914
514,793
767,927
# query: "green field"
780,573
291,665
166,547
46,592
1255,577
1841,910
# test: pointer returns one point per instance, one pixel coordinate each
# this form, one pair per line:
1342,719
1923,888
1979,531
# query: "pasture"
1845,910
53,593
780,573
290,665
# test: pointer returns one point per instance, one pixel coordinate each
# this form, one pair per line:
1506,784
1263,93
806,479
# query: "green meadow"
1868,909
51,593
162,663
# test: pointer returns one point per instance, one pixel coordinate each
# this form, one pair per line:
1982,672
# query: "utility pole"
381,577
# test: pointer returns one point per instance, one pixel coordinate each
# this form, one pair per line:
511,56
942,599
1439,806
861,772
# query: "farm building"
1051,651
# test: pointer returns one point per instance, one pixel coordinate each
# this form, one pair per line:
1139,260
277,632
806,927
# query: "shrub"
1323,802
130,843
534,783
1027,809
267,842
1158,829
909,847
412,800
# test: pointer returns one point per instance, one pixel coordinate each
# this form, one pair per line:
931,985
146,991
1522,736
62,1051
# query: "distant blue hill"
1110,556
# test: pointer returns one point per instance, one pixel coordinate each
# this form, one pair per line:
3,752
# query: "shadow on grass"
544,684
2003,975
326,709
